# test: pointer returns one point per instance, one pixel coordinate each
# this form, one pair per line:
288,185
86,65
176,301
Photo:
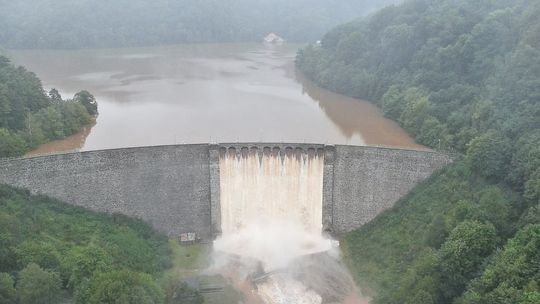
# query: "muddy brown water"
205,93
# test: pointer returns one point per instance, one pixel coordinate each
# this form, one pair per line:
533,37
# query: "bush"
76,243
121,287
8,293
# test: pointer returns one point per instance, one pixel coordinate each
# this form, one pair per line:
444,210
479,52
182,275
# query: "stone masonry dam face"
177,188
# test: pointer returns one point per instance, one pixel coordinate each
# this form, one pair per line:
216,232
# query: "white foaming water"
281,289
271,187
271,212
274,243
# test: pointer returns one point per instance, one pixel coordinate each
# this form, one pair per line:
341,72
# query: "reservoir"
204,93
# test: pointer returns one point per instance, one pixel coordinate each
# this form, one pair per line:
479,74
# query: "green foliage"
121,287
89,23
177,292
532,188
20,93
88,101
38,252
489,154
11,144
57,121
513,275
55,96
81,262
28,117
526,159
78,246
7,290
462,255
38,286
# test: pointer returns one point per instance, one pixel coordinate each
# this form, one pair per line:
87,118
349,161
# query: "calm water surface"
204,93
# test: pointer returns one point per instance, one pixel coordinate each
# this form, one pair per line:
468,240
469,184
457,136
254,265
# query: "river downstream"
204,93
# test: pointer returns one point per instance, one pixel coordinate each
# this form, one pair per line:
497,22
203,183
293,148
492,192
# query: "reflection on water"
202,93
354,117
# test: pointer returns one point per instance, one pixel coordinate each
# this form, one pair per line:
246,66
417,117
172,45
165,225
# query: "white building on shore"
272,38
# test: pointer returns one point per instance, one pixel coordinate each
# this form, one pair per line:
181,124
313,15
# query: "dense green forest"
30,117
90,23
461,76
50,250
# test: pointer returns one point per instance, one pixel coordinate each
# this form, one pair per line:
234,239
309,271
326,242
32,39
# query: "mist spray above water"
271,221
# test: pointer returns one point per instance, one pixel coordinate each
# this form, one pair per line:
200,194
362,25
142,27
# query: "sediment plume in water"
271,220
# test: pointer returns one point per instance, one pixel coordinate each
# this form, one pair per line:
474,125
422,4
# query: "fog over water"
204,93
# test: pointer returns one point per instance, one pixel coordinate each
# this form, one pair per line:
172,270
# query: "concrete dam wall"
176,189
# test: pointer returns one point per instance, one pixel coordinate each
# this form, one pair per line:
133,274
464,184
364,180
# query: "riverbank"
72,143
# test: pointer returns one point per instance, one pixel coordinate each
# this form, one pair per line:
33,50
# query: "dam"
189,188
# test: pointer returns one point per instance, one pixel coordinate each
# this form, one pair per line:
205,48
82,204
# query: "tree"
29,117
525,160
11,144
512,276
494,207
55,95
9,232
88,101
436,232
178,292
462,255
81,262
121,287
41,253
7,291
421,297
532,188
38,286
489,155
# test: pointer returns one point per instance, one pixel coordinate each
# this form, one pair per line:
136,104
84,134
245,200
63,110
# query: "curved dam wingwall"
176,188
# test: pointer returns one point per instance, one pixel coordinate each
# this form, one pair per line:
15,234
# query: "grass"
189,261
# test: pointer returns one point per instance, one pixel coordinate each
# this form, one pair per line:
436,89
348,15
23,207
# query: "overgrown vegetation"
461,76
48,247
90,23
30,117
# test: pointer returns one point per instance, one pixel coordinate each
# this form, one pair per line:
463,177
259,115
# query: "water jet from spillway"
274,185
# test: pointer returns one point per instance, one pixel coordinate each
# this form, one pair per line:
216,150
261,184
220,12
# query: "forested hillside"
30,117
461,76
50,250
90,23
